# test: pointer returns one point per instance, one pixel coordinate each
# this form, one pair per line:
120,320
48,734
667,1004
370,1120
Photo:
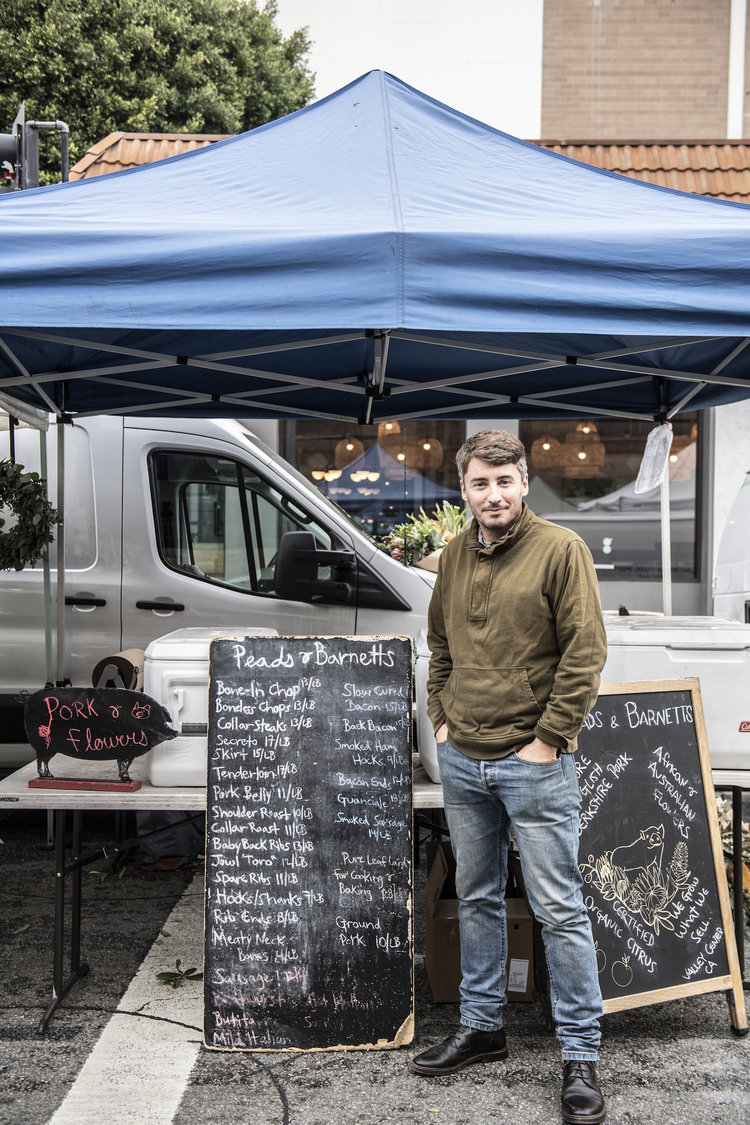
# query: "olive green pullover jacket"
516,638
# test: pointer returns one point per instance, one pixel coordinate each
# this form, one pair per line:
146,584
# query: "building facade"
644,69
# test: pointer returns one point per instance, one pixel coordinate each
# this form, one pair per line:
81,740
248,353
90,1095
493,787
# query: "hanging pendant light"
346,451
545,453
583,452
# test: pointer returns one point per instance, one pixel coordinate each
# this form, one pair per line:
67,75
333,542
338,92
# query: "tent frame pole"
666,546
60,586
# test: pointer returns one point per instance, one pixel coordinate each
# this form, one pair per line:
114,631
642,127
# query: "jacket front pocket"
487,703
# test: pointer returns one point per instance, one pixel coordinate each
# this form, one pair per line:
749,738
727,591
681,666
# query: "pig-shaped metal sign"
104,724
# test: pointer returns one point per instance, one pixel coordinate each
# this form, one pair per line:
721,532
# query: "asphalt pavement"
126,1048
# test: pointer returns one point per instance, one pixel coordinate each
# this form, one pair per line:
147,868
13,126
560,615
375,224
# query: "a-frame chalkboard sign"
308,844
650,850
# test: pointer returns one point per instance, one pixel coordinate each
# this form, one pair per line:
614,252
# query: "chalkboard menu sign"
650,854
308,850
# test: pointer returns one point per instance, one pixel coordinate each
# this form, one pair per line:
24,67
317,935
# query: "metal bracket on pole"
19,150
52,127
375,388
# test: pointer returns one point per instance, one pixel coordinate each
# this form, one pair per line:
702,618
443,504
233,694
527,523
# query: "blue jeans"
541,801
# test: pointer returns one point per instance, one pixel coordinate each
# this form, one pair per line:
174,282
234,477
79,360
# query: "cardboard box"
442,941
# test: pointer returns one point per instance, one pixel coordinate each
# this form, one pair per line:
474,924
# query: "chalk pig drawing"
646,850
109,724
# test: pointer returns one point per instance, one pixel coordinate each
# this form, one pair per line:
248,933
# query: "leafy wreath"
24,496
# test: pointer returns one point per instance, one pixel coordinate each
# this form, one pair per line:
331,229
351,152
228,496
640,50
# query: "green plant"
178,976
106,874
153,66
420,535
24,496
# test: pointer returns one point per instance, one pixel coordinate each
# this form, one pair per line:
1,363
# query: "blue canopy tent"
375,255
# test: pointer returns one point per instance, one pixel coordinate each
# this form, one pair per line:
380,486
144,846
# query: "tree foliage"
161,66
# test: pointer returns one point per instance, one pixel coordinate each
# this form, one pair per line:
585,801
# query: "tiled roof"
130,150
717,168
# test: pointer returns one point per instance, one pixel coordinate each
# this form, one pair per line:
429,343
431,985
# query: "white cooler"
717,652
651,647
426,745
176,675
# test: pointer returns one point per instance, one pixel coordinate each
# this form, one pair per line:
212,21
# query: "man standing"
517,643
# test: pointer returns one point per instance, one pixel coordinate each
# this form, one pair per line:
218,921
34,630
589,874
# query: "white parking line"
139,1067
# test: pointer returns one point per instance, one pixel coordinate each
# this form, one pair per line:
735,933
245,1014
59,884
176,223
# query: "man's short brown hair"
495,446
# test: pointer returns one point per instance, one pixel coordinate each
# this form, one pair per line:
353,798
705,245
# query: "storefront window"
379,474
582,474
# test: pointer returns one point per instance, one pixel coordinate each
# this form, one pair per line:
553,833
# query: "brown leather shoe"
582,1101
465,1046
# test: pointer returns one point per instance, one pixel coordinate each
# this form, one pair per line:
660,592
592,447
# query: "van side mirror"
296,574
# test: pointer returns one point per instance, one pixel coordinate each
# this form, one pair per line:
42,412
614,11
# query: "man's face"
495,495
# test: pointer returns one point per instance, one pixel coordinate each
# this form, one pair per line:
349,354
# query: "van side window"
219,521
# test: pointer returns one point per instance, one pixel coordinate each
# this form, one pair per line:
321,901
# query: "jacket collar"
519,529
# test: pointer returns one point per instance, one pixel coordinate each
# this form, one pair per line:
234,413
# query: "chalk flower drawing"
635,875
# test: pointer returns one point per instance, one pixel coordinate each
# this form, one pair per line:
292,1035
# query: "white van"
188,523
731,587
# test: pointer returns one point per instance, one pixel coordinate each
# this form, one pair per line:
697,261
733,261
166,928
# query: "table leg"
58,830
60,986
75,918
739,904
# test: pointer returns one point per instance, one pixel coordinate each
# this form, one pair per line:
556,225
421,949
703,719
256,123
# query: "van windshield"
319,497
